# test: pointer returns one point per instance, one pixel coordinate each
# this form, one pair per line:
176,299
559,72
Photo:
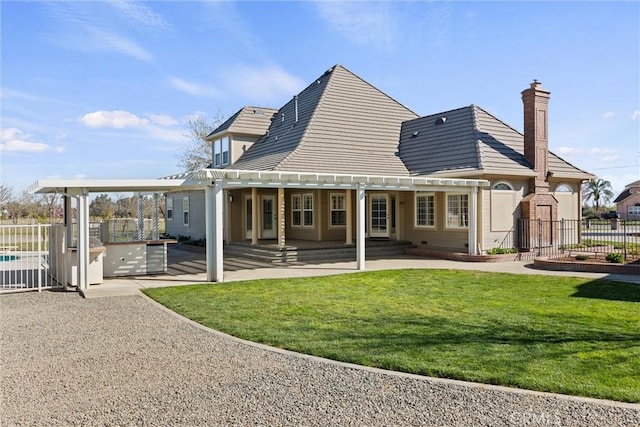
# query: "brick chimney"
536,144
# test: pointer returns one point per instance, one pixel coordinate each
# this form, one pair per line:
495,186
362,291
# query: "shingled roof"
470,141
247,121
344,125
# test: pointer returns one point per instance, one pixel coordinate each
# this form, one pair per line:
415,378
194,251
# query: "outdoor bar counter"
136,258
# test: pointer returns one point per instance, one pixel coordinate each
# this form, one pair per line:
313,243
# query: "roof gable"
247,121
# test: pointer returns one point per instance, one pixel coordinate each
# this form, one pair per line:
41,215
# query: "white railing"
24,258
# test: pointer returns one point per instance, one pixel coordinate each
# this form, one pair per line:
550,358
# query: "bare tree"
196,154
6,195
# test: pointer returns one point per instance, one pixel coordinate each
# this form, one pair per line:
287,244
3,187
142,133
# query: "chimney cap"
536,84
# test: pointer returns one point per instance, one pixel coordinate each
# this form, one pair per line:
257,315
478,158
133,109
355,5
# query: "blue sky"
103,89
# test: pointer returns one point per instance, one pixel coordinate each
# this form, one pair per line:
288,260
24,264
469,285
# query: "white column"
68,222
83,240
349,212
214,199
398,224
360,210
140,224
281,218
254,216
473,220
156,226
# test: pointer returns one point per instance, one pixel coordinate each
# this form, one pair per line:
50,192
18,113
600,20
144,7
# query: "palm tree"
598,190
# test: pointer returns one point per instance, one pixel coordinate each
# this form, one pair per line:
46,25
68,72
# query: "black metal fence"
573,237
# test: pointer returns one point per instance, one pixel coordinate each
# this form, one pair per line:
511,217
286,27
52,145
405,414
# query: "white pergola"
215,181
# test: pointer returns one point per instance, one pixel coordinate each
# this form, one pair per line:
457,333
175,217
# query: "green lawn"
557,334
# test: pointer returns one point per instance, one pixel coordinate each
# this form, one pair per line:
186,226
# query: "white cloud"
162,119
602,151
14,140
114,119
608,115
139,14
566,150
194,89
92,26
635,115
265,85
105,40
610,159
361,22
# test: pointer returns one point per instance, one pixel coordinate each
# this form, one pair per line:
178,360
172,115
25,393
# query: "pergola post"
83,239
254,216
214,229
281,218
473,221
349,224
140,223
360,244
155,224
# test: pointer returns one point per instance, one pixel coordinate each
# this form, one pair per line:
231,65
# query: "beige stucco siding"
500,212
438,237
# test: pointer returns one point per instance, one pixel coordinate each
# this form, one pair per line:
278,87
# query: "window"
169,207
634,210
225,150
296,210
563,188
302,210
502,186
425,210
217,152
457,210
338,210
185,211
307,209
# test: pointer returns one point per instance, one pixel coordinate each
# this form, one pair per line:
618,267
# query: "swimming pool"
9,257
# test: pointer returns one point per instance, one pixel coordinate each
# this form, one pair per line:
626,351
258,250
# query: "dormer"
232,139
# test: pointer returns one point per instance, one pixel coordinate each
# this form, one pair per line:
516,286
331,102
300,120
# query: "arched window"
563,188
502,186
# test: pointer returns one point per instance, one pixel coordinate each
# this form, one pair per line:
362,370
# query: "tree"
102,206
598,190
6,195
196,154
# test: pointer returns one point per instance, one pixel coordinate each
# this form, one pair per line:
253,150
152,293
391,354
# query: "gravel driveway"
125,361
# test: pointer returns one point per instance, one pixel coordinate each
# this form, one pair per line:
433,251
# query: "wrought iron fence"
549,238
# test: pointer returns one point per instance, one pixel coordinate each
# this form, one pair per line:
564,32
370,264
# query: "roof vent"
415,134
258,112
282,117
440,120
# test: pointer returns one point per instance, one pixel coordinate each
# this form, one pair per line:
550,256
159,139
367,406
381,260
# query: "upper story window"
503,186
425,210
221,151
457,210
563,188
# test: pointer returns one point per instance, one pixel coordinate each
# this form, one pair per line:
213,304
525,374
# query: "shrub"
502,251
614,258
182,238
582,257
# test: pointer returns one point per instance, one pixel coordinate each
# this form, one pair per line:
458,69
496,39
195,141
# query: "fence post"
39,230
562,231
624,239
539,236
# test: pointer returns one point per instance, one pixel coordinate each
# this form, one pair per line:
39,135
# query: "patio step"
332,253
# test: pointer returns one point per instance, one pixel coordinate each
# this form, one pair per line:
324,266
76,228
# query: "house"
454,181
628,202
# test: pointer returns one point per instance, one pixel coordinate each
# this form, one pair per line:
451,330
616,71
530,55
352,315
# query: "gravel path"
125,361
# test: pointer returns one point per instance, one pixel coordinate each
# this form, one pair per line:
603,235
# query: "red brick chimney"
536,144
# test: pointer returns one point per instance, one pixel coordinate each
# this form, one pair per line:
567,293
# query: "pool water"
8,257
